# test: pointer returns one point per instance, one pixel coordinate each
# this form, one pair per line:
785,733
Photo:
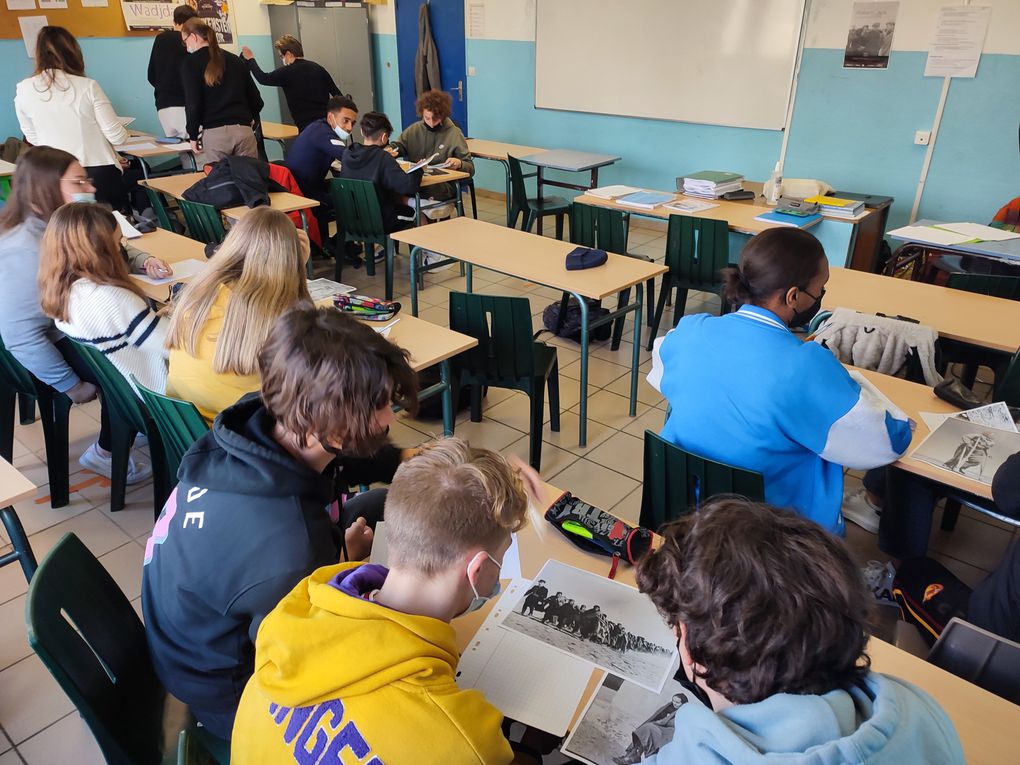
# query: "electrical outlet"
471,71
922,137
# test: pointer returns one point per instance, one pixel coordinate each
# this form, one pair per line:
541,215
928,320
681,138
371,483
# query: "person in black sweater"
165,61
369,161
306,85
220,98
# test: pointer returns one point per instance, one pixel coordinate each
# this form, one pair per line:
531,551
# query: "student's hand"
157,268
125,163
195,147
83,392
453,163
533,482
246,52
391,151
358,538
304,245
406,454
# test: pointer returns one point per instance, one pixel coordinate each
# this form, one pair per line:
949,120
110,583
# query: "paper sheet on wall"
21,5
45,5
94,3
30,26
476,20
959,39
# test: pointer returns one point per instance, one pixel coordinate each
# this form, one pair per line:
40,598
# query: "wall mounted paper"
869,40
94,3
959,39
30,26
21,5
46,5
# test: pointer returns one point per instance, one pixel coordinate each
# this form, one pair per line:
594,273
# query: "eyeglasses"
813,297
86,181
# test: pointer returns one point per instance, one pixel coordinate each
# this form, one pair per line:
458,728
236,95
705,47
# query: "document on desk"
420,164
995,415
126,229
183,269
689,205
930,235
980,232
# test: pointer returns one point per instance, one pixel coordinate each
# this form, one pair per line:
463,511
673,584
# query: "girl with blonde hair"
222,318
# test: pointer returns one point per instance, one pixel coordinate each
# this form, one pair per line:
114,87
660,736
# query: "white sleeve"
114,131
655,373
25,122
868,436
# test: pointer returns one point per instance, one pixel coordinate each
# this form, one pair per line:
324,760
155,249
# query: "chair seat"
545,359
549,205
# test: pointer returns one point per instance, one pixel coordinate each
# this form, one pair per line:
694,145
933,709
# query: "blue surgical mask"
84,196
481,600
342,134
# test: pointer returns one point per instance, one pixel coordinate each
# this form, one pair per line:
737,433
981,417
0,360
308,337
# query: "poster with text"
869,40
158,14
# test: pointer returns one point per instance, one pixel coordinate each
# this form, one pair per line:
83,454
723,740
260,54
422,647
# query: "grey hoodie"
418,142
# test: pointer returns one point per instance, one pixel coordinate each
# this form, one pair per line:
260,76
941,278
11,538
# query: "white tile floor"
37,723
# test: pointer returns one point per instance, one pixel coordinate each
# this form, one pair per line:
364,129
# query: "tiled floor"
37,723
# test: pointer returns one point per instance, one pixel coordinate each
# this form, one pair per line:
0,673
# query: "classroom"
509,381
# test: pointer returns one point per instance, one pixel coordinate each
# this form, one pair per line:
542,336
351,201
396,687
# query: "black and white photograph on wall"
592,617
625,723
968,449
869,40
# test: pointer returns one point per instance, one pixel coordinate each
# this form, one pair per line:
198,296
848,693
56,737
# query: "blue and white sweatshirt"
746,391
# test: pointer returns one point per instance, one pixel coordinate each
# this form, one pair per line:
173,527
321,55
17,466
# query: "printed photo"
594,618
967,448
869,40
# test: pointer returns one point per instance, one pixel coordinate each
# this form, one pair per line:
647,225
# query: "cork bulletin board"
81,21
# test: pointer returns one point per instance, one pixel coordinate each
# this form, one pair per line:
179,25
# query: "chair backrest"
985,284
85,631
179,424
503,327
677,482
981,657
13,375
518,191
203,221
162,214
1008,388
602,227
358,213
117,391
697,249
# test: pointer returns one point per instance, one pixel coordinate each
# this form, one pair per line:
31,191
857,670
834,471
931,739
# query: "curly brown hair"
439,102
771,602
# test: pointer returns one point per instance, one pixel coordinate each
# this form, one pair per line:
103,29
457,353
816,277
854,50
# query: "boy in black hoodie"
369,161
256,511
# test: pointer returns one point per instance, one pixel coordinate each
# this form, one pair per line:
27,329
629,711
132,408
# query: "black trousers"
84,371
995,603
110,188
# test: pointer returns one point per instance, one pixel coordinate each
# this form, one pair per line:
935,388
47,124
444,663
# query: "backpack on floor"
570,326
929,595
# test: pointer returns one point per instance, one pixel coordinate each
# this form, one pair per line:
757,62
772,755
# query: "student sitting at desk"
369,161
256,507
771,619
746,391
372,647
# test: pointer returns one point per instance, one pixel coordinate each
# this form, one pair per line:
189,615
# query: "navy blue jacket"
310,156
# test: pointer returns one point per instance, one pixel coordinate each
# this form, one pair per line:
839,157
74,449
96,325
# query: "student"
255,509
771,616
745,390
165,62
84,285
366,654
45,179
221,319
369,161
436,133
220,99
306,85
59,106
319,145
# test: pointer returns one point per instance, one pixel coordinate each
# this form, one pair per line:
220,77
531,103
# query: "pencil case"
597,531
367,308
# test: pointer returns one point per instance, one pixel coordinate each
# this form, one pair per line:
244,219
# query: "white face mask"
342,134
84,196
191,48
481,600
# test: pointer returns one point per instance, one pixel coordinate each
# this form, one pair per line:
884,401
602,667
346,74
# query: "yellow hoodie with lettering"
341,679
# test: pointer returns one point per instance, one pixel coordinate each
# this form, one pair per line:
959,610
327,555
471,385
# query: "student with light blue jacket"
770,614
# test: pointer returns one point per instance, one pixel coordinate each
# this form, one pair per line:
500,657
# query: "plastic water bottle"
773,189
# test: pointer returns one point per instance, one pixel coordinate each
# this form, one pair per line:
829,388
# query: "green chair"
535,208
697,249
203,221
196,746
16,382
179,424
955,352
984,284
21,549
677,482
359,219
506,356
87,634
158,207
128,416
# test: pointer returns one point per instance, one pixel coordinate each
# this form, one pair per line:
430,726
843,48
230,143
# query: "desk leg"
145,167
447,394
540,217
470,278
594,178
634,362
304,226
414,280
506,169
582,427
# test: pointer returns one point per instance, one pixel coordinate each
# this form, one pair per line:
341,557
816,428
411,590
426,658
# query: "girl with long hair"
222,317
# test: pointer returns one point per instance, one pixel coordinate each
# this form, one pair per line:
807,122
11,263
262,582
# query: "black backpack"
570,325
232,182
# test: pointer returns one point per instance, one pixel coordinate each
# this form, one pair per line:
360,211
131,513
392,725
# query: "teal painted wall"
387,83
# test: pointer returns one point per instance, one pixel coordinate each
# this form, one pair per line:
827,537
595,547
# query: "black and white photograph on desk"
869,40
592,617
625,723
968,449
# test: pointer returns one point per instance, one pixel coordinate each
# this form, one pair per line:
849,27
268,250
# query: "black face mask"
435,129
687,681
800,318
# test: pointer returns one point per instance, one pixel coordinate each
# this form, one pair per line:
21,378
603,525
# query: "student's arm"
106,117
396,180
25,123
145,329
194,96
274,78
400,145
324,142
255,102
152,63
1006,485
30,340
459,149
333,89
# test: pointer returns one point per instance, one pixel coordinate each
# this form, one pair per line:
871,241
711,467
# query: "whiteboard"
719,62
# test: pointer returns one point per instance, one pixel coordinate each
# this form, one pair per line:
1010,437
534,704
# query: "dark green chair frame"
159,207
359,219
179,423
697,249
128,416
204,222
1007,287
506,356
677,482
532,209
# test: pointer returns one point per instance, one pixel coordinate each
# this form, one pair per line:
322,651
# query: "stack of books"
710,184
834,207
611,192
645,200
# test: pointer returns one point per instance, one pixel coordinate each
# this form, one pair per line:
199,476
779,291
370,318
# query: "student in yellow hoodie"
357,663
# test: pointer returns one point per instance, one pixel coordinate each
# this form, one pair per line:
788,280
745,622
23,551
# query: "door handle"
459,89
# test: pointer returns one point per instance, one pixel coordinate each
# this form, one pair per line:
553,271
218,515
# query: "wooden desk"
984,722
569,161
980,320
541,260
173,185
14,487
170,247
276,131
913,399
161,150
6,168
497,151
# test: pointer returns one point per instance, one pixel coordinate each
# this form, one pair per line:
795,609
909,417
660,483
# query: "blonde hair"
79,244
261,263
448,499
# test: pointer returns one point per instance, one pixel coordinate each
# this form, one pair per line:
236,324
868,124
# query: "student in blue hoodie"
770,614
745,390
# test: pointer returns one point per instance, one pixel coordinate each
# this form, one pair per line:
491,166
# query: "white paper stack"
711,184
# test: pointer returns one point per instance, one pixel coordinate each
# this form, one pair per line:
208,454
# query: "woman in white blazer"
59,106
